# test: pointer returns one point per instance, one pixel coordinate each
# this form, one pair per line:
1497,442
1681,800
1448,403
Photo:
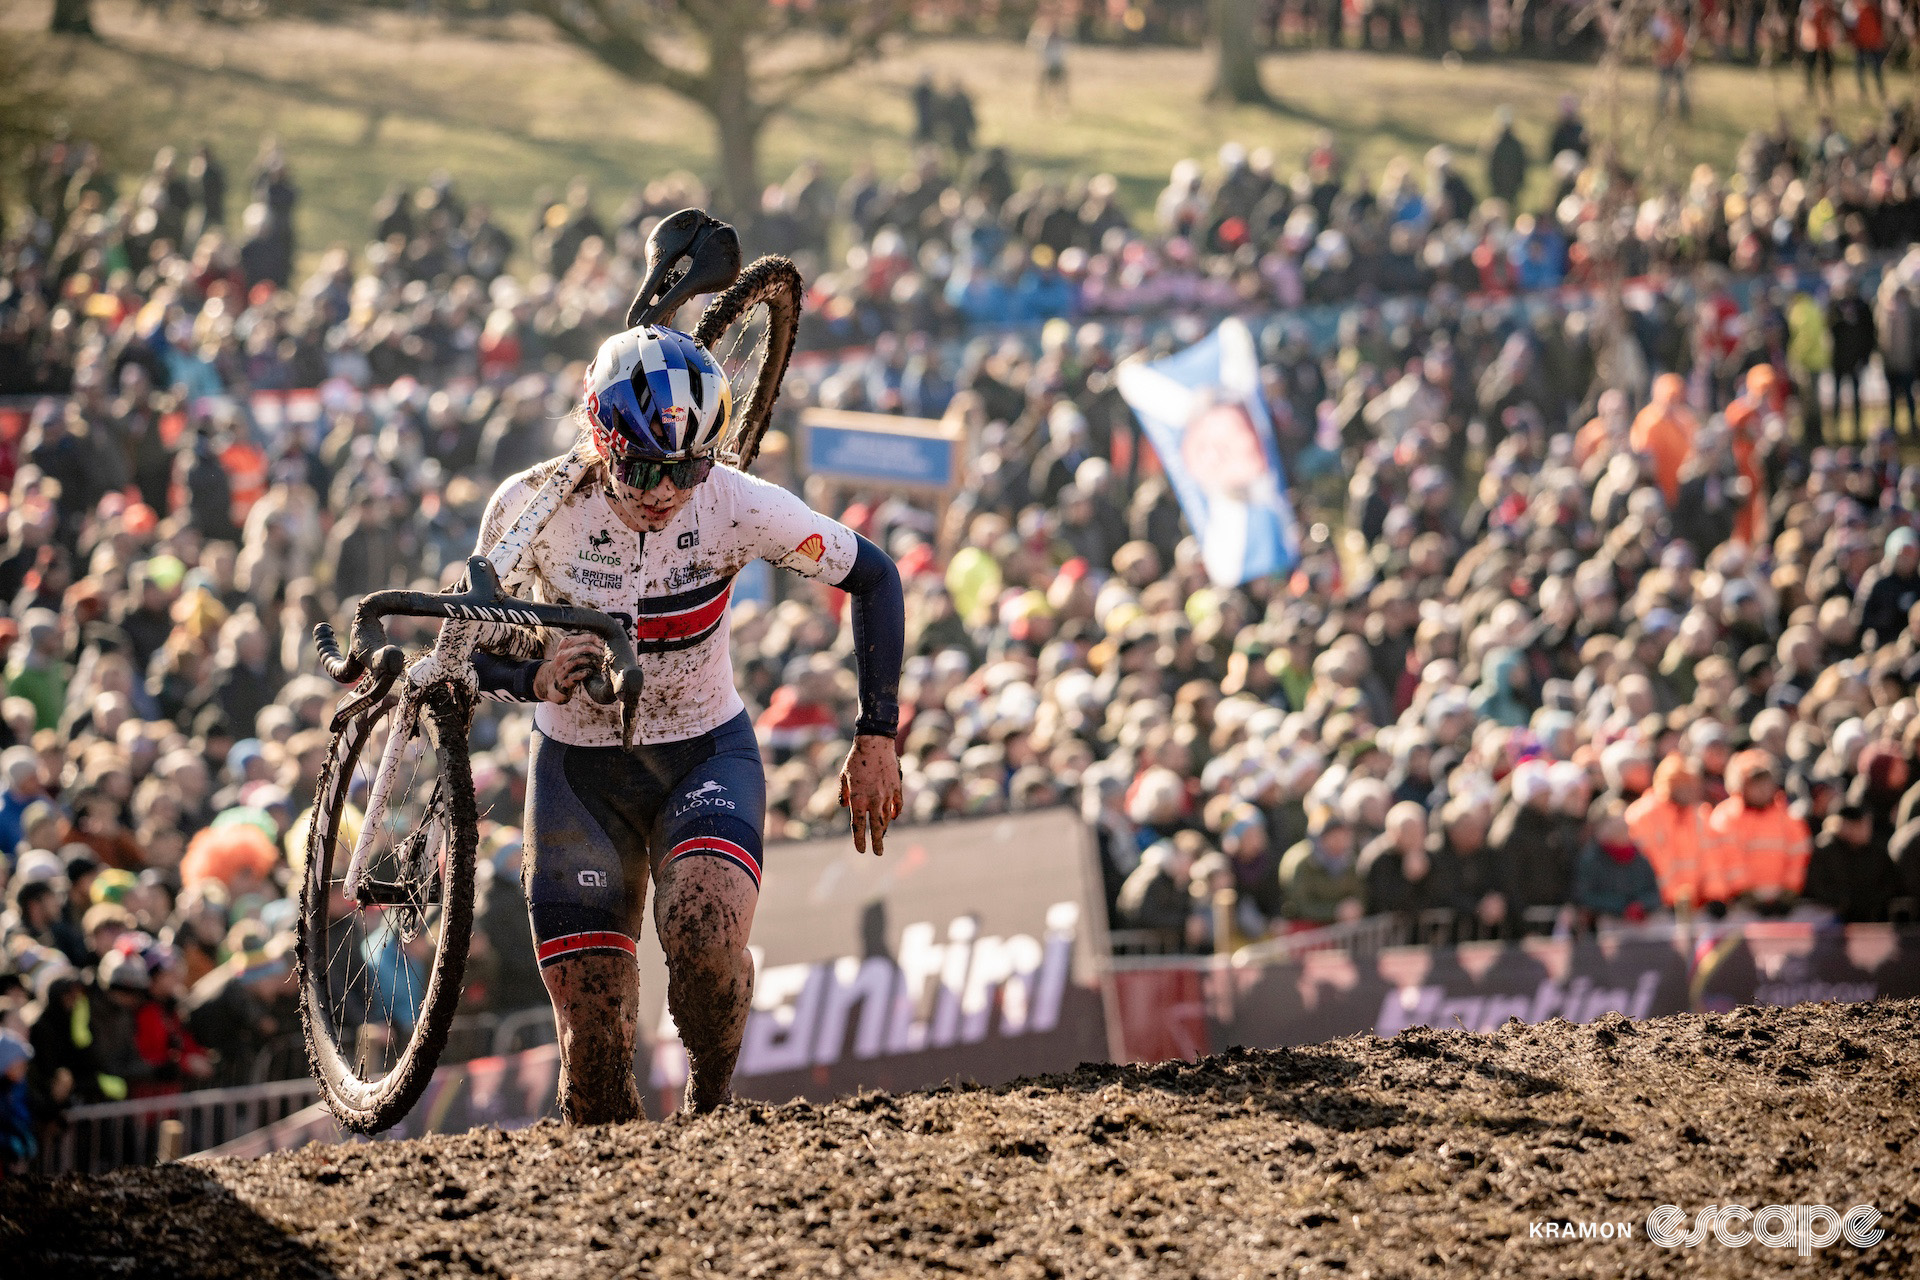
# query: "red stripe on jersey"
678,626
715,845
598,941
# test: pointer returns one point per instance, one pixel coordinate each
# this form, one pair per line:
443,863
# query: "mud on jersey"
671,590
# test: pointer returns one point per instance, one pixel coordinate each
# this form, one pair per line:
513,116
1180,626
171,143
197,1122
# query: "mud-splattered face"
647,510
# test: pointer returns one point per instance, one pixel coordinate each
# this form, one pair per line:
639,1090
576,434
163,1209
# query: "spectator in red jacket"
1819,32
160,1035
1867,31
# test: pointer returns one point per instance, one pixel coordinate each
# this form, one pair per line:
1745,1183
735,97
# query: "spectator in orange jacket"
1669,823
1756,849
1664,431
1608,431
1746,416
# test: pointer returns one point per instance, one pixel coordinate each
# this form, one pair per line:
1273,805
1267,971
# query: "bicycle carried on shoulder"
387,880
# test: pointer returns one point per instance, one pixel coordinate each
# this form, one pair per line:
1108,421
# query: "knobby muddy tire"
776,283
370,1106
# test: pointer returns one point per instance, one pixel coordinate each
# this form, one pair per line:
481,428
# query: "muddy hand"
870,790
577,656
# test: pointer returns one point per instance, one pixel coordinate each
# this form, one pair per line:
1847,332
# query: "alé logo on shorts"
596,554
928,996
708,793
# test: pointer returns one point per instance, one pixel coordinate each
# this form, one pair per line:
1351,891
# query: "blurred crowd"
1599,612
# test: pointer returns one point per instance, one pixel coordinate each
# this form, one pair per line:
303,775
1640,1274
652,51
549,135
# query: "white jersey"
671,590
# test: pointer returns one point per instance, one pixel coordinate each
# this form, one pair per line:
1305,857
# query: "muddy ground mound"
1433,1153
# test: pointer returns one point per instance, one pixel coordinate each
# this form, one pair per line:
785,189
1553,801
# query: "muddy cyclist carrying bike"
649,779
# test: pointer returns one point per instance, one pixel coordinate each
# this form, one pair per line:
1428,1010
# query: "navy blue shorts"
601,820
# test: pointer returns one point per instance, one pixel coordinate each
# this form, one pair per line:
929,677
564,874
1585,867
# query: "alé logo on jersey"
596,550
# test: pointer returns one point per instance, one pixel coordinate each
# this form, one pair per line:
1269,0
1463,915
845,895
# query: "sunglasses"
647,473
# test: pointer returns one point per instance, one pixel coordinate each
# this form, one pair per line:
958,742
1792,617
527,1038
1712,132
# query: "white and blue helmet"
655,393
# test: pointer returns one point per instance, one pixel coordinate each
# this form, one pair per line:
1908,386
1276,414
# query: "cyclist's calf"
703,914
596,1008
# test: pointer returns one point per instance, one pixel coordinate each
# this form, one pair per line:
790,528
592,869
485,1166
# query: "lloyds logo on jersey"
595,553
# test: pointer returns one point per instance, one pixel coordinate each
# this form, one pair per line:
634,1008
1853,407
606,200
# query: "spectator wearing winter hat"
19,1136
160,1033
1891,588
20,770
1527,841
1255,863
1396,866
1664,431
1613,879
1155,897
1320,877
1669,824
1849,871
122,989
1467,875
1757,850
37,671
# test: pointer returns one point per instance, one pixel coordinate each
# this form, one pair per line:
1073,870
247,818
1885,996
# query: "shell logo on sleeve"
813,548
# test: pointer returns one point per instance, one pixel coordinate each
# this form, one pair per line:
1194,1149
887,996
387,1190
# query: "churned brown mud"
1431,1154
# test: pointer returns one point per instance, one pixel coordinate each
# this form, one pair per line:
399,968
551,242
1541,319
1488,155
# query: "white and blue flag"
1204,414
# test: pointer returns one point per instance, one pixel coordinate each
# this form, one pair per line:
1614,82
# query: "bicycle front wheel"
380,976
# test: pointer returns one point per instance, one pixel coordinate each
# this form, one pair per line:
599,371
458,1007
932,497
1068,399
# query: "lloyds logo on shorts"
707,793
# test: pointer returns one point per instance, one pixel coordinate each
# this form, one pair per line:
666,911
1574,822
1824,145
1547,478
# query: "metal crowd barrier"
526,1029
1159,949
1361,937
110,1135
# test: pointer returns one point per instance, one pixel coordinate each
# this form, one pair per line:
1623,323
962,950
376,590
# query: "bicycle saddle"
689,253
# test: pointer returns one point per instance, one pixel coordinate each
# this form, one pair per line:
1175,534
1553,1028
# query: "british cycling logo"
595,579
707,793
1802,1227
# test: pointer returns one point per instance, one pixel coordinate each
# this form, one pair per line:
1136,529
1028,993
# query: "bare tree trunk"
1236,65
737,120
72,17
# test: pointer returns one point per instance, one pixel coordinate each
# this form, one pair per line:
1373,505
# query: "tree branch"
620,47
861,43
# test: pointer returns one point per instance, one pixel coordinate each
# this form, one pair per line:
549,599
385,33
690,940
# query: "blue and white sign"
1203,413
871,448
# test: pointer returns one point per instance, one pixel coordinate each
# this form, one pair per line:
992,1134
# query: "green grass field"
506,109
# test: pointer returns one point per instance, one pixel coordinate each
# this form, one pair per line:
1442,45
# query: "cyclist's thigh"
712,820
585,859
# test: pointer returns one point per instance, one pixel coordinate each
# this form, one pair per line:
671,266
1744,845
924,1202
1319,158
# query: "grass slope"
507,109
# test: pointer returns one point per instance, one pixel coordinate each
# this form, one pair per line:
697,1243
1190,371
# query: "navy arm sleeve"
879,637
504,678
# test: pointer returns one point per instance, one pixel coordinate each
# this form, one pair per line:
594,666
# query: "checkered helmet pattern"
654,392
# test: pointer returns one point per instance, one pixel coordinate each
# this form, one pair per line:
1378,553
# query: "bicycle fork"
449,659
